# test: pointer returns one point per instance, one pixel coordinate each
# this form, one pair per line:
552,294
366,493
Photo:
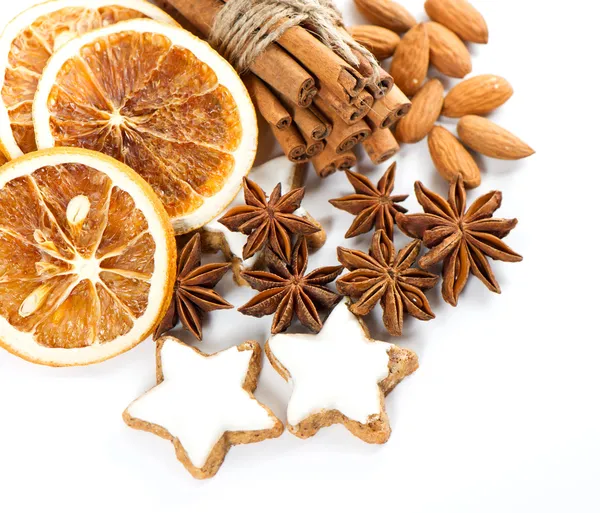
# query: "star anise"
287,290
372,206
385,276
269,221
462,238
193,293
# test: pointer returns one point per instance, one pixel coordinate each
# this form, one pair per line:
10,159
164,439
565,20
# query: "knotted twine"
243,29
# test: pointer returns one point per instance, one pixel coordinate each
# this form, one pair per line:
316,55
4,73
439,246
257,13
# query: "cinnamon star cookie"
204,404
339,376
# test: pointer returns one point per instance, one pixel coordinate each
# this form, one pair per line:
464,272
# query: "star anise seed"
269,222
193,293
286,290
389,278
372,206
462,238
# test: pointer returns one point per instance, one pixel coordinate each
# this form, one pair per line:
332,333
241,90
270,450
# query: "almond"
477,95
451,158
411,60
426,107
489,139
387,14
447,52
460,17
380,41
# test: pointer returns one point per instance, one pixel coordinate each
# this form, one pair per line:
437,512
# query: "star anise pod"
372,206
287,291
461,238
385,276
193,293
269,221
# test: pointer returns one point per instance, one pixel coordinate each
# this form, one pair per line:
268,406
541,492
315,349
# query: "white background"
501,416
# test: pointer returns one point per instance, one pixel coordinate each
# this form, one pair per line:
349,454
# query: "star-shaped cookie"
218,237
339,376
204,404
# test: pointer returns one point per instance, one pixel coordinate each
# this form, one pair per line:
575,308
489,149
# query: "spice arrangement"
322,106
124,132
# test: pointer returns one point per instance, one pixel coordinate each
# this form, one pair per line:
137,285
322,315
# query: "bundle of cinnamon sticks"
318,106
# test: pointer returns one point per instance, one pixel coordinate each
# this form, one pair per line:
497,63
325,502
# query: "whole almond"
460,17
380,41
451,158
411,60
447,52
426,107
387,14
489,139
476,95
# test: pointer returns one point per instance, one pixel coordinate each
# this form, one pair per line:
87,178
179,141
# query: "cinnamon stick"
274,66
291,142
389,109
381,145
314,148
331,70
267,103
344,137
329,161
378,87
311,123
350,113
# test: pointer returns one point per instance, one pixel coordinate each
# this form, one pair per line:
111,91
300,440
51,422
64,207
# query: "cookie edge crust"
229,438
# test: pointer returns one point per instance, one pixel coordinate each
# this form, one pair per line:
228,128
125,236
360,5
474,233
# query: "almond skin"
411,60
460,17
451,158
489,139
447,52
380,41
387,14
426,107
477,95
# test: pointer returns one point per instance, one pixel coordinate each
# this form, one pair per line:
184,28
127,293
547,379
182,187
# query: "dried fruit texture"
287,290
489,139
386,13
32,48
390,278
73,274
462,238
460,17
425,111
477,95
166,115
380,41
411,60
194,292
269,221
450,157
447,52
372,205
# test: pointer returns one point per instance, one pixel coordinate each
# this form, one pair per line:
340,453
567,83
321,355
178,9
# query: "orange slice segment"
157,98
31,38
87,257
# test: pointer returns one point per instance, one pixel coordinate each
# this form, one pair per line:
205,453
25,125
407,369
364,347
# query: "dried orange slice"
87,257
31,38
159,99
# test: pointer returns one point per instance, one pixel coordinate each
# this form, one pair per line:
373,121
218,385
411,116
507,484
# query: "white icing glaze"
336,369
200,398
267,175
